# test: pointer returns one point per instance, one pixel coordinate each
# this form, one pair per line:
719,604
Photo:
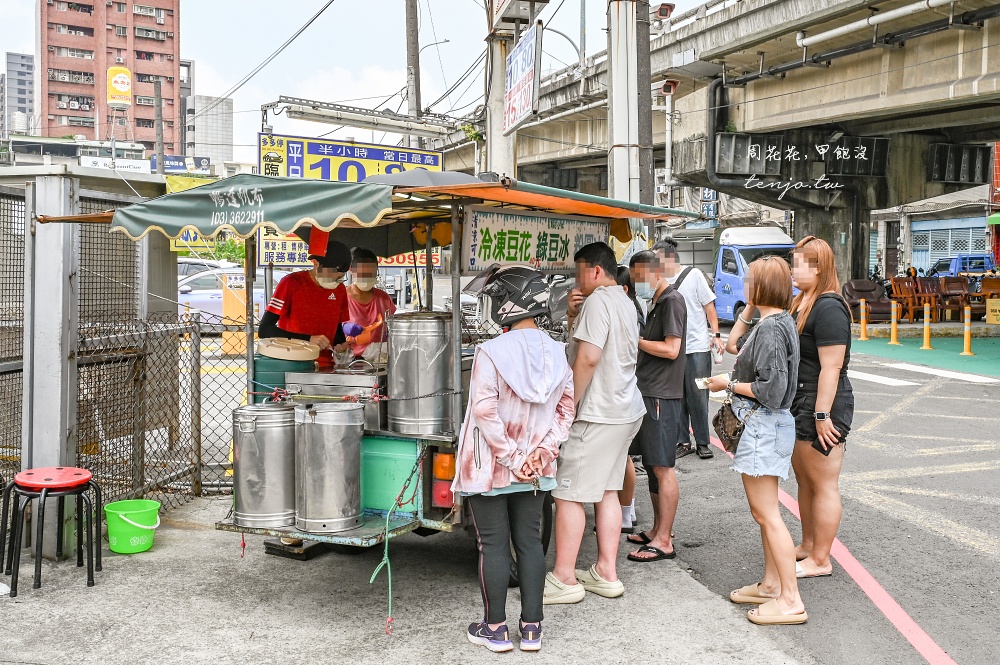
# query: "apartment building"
77,44
18,91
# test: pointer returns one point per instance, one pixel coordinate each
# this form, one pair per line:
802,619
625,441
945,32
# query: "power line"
468,72
437,46
266,62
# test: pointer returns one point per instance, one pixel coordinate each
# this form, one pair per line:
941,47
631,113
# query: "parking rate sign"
343,161
523,78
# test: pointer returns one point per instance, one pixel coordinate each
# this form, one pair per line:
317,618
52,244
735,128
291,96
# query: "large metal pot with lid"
264,465
421,373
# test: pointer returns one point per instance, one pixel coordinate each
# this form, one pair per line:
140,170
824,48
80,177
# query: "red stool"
44,483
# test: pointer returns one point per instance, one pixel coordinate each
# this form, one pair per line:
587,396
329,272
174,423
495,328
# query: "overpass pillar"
846,229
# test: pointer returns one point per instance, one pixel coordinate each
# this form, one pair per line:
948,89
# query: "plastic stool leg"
16,549
61,514
90,540
79,530
3,520
99,513
39,532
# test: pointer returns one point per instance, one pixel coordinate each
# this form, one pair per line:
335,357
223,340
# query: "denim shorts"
768,440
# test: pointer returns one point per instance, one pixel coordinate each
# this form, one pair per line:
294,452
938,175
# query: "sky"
354,53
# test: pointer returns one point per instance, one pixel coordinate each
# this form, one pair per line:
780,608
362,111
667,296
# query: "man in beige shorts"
603,352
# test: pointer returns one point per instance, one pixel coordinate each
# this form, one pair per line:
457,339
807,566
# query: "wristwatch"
718,335
822,415
731,387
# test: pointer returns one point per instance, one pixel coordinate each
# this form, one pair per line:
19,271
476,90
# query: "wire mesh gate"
11,328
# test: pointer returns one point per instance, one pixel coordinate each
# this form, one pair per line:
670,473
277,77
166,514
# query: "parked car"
188,265
203,291
967,265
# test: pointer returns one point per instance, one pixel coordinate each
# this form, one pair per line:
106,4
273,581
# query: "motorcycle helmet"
516,293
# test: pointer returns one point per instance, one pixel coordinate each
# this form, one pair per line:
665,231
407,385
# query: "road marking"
917,472
958,450
897,616
875,378
899,407
927,520
984,500
971,378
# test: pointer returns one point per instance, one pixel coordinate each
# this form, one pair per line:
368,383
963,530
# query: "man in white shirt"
702,317
603,352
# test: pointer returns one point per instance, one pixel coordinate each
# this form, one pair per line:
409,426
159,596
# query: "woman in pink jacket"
520,410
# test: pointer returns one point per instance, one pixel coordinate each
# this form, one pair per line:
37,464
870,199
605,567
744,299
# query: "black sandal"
643,538
660,554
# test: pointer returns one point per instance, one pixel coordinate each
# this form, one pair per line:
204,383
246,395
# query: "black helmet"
517,293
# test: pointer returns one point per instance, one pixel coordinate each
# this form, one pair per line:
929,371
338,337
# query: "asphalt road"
920,506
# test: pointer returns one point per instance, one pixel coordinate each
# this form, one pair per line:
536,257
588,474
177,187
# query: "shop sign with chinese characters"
343,161
237,205
540,240
281,250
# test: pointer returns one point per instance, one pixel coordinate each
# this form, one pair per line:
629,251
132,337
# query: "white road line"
971,378
875,378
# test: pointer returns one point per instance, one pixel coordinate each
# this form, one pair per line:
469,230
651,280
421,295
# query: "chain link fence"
11,328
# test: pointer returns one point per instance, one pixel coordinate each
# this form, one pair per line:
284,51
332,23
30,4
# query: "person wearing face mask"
312,304
368,306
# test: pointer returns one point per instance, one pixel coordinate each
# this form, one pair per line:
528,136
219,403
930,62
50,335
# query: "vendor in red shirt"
312,304
369,306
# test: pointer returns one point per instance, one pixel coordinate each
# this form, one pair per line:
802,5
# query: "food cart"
405,485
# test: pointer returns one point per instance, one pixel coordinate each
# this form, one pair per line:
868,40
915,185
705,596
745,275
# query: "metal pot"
264,465
421,362
328,467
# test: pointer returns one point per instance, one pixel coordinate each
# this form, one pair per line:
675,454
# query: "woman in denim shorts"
762,390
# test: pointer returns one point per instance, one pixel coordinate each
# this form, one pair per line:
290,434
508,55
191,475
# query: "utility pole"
623,101
647,177
158,101
500,157
412,66
583,31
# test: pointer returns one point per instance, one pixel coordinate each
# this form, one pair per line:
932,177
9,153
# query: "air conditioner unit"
170,79
64,77
662,189
170,57
84,107
160,21
74,105
60,105
170,34
52,48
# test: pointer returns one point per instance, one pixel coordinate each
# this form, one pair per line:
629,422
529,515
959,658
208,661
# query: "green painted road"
946,353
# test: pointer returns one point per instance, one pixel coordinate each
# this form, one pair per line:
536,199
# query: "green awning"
241,204
994,218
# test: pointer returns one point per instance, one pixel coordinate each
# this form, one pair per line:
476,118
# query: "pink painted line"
886,604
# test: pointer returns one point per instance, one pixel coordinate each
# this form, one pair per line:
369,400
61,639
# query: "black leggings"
499,521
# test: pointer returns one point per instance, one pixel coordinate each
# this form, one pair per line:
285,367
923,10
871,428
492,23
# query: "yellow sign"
119,87
191,241
993,311
181,183
344,161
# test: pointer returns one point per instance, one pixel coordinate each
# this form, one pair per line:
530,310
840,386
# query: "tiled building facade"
77,44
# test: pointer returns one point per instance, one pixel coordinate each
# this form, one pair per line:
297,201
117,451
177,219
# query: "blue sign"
181,164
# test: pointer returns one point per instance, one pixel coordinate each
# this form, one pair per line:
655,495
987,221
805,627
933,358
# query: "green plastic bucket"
131,525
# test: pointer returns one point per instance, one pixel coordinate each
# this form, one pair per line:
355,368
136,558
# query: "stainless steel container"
264,465
331,385
421,362
328,467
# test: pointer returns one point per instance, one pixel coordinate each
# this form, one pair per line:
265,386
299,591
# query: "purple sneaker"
495,640
531,636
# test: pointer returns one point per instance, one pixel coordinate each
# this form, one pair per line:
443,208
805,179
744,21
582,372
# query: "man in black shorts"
660,375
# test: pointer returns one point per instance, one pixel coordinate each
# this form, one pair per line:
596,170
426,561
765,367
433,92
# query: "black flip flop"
643,539
660,554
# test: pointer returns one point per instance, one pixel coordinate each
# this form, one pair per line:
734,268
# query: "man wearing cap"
312,304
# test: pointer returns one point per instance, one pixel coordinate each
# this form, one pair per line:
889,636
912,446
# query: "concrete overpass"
907,85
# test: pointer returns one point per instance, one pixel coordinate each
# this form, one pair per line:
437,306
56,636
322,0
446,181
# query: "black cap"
338,257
